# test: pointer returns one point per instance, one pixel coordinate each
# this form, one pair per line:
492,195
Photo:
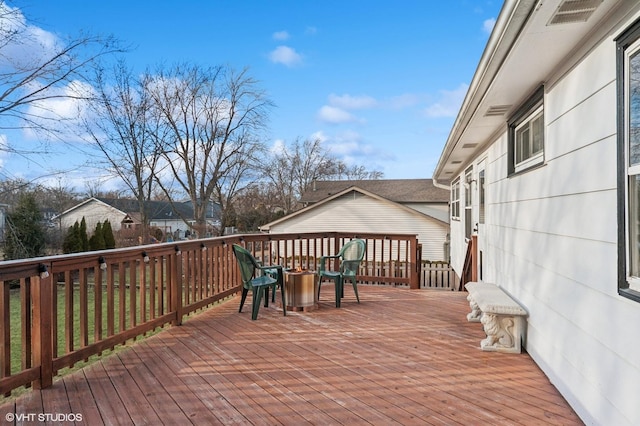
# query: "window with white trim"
526,134
455,199
481,203
468,202
628,85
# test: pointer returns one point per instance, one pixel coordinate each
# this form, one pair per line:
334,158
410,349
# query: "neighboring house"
396,206
544,160
124,214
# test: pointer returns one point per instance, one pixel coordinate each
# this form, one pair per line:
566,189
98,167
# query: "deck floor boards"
401,357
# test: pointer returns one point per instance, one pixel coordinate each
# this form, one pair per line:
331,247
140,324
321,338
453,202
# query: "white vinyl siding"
356,212
551,235
93,211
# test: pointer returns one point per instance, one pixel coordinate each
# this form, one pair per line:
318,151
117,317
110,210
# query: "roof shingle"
397,190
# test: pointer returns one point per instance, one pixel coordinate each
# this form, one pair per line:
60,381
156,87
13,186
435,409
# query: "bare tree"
124,129
292,169
214,118
37,70
356,172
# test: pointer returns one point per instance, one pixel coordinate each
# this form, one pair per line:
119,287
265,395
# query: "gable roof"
156,210
396,190
330,198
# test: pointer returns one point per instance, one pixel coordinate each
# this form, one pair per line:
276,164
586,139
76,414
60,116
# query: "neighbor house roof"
156,210
347,190
396,190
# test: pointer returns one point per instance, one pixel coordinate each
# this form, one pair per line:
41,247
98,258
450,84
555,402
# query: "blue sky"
379,82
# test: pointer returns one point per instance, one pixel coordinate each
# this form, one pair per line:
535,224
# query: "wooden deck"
400,357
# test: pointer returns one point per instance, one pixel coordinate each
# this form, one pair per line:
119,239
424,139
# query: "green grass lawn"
16,328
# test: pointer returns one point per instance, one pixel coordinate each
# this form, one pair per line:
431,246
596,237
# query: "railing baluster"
132,292
25,314
68,310
122,291
5,331
97,298
84,305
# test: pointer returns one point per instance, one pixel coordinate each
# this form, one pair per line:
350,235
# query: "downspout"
439,185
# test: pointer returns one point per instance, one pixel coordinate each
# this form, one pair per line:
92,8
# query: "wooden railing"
470,266
59,310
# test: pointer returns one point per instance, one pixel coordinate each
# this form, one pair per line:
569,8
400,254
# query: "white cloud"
335,115
62,111
350,145
280,35
23,44
404,101
352,102
488,24
285,55
279,146
311,31
448,104
319,135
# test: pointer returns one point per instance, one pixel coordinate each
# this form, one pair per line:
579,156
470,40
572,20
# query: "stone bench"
502,317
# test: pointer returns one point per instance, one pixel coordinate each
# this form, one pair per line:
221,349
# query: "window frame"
525,115
627,44
455,199
468,202
481,196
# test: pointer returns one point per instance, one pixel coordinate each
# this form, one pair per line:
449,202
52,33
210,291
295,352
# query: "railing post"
414,284
474,258
176,288
42,297
336,249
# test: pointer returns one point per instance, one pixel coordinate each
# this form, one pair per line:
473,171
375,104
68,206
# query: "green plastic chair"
259,285
350,255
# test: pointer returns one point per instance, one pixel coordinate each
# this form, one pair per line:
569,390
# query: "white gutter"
513,15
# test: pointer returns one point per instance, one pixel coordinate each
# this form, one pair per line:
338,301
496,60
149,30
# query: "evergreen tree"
96,242
25,235
107,232
83,235
73,240
69,243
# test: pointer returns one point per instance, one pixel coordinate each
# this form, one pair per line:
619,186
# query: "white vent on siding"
571,11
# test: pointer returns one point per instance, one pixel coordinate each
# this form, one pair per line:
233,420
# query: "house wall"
93,212
550,240
355,212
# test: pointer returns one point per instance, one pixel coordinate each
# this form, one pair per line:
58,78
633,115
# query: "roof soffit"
527,51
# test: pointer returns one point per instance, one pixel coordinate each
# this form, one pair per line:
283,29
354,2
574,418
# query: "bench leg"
504,333
476,313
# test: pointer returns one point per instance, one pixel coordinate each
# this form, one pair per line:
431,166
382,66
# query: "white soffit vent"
497,110
469,145
571,11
